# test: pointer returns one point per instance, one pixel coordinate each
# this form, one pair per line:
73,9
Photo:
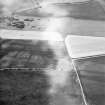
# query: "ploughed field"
28,72
25,54
92,76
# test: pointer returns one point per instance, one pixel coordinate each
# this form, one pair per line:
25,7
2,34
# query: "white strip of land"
30,35
85,46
